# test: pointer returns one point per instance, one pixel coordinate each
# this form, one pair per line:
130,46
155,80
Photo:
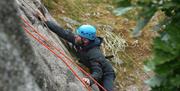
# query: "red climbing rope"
87,74
63,54
41,42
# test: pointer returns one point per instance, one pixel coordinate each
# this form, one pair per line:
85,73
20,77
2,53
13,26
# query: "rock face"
15,53
25,65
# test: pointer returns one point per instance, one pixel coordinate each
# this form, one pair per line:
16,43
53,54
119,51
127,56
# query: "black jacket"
91,55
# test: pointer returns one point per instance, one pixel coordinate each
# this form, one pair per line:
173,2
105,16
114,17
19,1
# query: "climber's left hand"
39,15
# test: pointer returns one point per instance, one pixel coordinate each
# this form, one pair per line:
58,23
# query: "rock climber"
87,45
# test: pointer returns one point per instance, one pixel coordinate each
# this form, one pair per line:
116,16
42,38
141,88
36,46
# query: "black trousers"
107,82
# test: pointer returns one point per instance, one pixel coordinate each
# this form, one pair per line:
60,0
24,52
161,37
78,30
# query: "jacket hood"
97,41
93,43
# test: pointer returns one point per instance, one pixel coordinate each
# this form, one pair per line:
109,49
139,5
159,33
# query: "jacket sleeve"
96,70
65,34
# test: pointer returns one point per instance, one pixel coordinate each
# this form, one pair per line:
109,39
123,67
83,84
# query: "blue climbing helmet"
87,31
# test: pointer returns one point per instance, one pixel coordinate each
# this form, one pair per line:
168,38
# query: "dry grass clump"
113,43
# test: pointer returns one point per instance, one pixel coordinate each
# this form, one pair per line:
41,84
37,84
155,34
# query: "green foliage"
148,9
165,61
95,1
123,3
122,10
166,58
49,3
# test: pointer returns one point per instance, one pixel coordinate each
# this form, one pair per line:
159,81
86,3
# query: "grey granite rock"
25,65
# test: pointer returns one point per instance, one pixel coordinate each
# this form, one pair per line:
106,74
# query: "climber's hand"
39,15
86,80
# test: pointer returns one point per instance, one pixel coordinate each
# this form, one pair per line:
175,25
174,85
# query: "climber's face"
81,41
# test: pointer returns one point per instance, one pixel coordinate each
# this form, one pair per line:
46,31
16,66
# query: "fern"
165,60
